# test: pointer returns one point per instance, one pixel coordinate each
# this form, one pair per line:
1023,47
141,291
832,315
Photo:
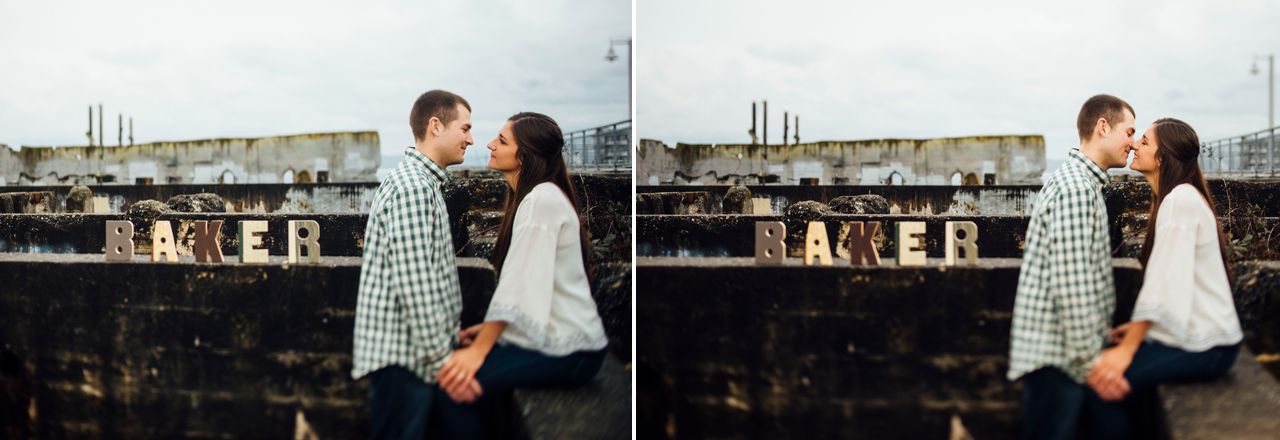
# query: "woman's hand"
460,370
468,335
1107,376
1117,334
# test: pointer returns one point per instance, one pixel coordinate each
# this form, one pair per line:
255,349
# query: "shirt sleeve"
523,297
418,273
1073,276
1169,280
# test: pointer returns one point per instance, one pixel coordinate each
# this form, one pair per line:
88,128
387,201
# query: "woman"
1184,325
542,328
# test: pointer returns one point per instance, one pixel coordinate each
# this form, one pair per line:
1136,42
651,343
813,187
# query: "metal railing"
1249,155
607,147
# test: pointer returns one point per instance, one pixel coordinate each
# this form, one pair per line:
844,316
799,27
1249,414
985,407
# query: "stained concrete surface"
142,349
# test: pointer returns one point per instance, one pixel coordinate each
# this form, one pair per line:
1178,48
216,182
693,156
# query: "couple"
541,329
1184,325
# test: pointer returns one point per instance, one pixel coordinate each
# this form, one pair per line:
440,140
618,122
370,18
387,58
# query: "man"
409,299
1066,289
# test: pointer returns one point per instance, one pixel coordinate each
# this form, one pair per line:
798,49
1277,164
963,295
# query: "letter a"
162,242
815,245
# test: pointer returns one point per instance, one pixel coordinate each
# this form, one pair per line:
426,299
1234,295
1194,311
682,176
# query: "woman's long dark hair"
539,142
1178,148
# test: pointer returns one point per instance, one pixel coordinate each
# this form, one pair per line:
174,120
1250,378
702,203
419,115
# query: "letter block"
250,237
862,249
815,245
771,245
162,242
119,240
969,243
909,244
206,245
311,241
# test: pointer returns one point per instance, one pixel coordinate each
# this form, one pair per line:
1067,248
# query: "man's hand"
1107,376
460,369
468,335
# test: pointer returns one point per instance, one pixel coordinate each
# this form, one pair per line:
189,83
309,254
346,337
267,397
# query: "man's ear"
1101,128
434,126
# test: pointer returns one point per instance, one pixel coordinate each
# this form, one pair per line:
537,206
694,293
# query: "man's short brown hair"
437,103
1101,106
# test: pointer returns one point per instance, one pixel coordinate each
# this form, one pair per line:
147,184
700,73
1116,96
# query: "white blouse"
1185,292
543,293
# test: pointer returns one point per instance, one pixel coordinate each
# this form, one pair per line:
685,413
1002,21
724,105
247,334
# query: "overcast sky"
235,68
863,70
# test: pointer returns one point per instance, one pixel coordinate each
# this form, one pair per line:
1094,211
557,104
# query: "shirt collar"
433,169
1094,169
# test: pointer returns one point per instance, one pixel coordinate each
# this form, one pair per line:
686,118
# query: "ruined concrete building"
303,158
974,160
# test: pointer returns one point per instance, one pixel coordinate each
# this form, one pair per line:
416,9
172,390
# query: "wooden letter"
815,245
162,242
250,237
206,241
908,246
771,245
862,249
311,241
119,240
969,243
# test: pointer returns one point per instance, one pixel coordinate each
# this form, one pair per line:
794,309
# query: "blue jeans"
1051,403
399,403
1153,364
508,367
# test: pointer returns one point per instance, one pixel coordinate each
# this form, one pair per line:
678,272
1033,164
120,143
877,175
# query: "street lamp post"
1271,108
611,56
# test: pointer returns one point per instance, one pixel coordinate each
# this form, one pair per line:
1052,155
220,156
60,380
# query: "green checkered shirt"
1066,290
407,312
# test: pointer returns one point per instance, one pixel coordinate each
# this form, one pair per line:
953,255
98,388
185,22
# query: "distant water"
1050,165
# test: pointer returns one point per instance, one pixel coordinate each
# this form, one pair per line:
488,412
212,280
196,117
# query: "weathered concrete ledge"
593,412
1243,198
732,235
352,197
914,199
340,234
141,349
1242,405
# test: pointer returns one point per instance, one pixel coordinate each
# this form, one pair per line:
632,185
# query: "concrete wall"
731,349
164,350
352,197
1000,160
342,157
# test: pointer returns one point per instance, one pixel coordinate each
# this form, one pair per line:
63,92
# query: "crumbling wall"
316,157
977,160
